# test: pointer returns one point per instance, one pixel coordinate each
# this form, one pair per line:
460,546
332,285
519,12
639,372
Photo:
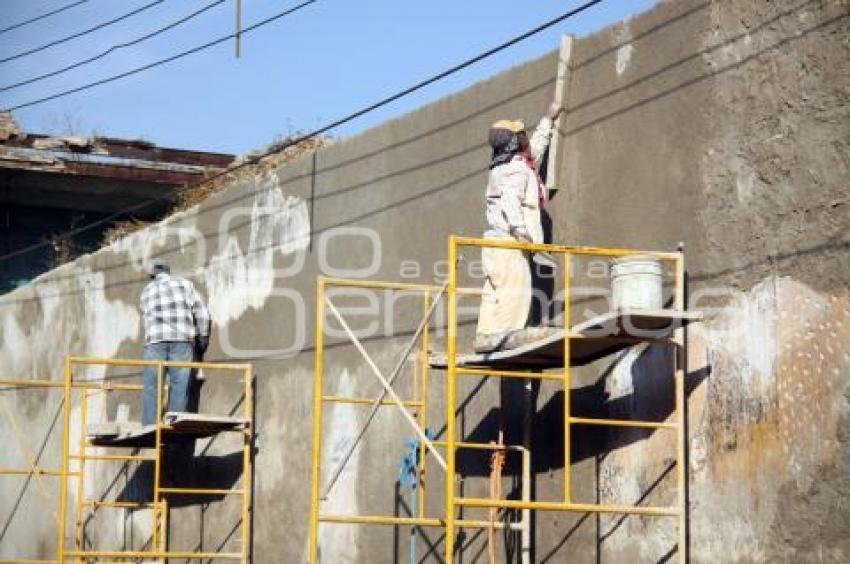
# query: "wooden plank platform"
591,340
176,425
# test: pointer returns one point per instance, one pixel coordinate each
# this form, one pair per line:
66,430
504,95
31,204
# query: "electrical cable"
114,48
321,130
154,64
80,33
43,16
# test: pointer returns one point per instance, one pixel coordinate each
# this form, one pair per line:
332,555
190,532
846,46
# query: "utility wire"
321,130
186,53
42,16
80,33
114,48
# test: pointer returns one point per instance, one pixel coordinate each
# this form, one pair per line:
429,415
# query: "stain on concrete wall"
732,137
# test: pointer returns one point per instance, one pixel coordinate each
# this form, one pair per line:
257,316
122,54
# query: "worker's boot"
529,335
490,342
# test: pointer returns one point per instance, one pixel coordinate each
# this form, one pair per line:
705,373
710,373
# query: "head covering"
159,265
503,140
514,125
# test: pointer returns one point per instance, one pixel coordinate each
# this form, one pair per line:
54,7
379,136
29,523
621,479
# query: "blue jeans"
178,378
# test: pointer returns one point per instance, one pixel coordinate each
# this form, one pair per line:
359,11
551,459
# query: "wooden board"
561,97
591,340
186,425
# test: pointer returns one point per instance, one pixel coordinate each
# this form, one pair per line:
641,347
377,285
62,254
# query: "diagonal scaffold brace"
386,383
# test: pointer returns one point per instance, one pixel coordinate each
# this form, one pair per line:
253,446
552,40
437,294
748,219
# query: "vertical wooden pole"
238,27
561,91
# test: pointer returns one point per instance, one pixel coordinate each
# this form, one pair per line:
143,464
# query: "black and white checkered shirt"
172,310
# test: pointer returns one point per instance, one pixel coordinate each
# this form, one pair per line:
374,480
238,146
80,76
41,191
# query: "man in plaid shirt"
177,327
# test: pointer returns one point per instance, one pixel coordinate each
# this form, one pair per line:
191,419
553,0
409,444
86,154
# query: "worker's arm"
513,184
542,135
202,322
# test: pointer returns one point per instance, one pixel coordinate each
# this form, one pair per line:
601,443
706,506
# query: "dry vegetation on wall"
246,166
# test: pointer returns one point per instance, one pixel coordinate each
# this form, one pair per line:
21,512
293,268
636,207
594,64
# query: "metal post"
247,445
567,384
158,457
451,352
423,411
163,524
313,549
525,488
63,486
80,529
681,438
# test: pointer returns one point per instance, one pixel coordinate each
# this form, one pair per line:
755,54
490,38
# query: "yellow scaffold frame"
452,502
159,504
430,295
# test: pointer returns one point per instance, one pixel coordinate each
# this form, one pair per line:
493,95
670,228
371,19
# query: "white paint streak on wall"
238,279
13,350
745,332
108,322
624,57
141,246
619,383
338,544
69,311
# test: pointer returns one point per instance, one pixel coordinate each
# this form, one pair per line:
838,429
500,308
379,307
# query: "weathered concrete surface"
725,125
721,124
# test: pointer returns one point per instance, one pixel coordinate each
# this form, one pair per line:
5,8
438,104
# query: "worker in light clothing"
177,328
515,196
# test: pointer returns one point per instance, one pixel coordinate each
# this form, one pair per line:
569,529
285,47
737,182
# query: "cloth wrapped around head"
504,141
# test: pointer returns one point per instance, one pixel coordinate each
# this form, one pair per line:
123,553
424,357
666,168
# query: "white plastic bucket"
636,283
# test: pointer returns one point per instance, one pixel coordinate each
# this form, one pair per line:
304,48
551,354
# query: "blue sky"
298,73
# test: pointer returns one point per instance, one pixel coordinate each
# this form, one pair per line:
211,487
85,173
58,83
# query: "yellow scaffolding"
159,504
453,502
431,294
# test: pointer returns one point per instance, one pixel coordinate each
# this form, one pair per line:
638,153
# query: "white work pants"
506,300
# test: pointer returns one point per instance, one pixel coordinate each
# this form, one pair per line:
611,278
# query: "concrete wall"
720,124
725,125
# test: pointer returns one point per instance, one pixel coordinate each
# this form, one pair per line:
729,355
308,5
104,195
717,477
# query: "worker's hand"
202,342
521,234
554,110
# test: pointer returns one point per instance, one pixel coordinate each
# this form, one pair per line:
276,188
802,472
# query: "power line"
80,33
186,53
42,16
323,129
114,48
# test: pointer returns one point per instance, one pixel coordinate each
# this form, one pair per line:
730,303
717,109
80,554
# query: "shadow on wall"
180,469
651,399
